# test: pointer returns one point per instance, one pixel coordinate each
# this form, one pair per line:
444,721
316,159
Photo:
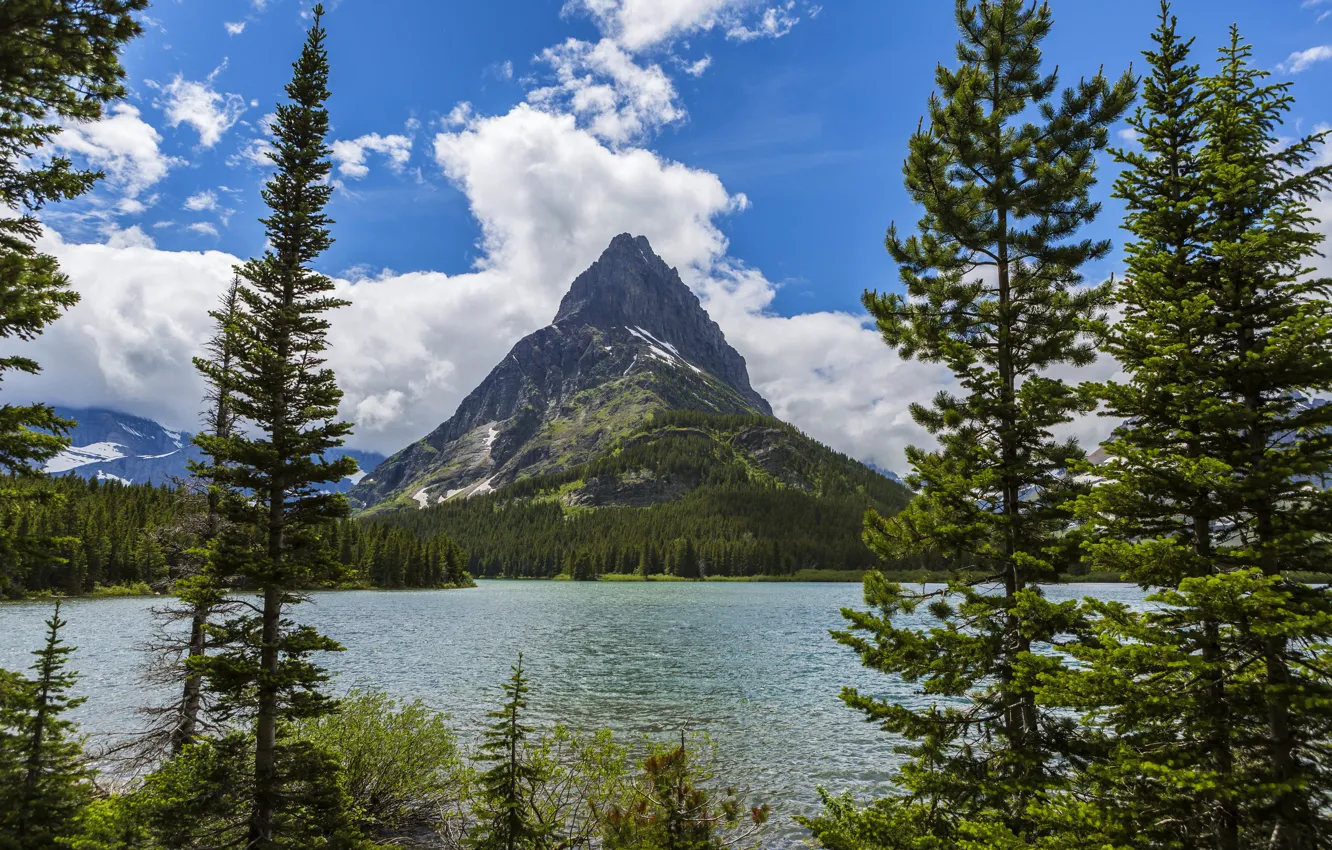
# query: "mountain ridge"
112,445
629,339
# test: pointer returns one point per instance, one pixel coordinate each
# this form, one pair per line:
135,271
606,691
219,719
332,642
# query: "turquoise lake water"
752,665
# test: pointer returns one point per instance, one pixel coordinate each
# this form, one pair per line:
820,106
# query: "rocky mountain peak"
629,287
630,340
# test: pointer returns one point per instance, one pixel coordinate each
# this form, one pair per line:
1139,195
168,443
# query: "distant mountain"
886,473
630,339
626,437
687,493
111,445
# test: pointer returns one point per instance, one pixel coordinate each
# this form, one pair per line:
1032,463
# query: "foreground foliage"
1205,719
1003,167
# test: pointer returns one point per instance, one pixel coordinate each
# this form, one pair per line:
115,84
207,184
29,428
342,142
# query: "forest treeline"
720,512
107,535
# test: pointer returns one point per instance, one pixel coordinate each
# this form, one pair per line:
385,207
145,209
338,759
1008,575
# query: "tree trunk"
192,698
265,761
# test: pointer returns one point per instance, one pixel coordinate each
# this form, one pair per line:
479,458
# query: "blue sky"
487,151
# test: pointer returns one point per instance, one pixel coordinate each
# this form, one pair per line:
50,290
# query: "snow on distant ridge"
77,456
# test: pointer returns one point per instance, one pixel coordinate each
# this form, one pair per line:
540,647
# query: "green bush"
398,762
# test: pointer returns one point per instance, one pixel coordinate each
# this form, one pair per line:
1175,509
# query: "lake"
752,665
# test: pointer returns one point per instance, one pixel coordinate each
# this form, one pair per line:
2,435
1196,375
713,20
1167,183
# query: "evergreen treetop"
505,819
44,785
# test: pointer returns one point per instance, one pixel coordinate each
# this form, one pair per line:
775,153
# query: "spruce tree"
1219,703
1273,352
1168,769
1003,168
202,595
505,820
44,785
285,402
58,62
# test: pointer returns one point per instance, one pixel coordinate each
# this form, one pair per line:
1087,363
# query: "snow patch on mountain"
76,456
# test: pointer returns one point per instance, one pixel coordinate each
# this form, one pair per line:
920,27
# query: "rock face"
630,339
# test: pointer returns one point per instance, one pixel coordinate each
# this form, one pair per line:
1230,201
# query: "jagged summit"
629,286
630,339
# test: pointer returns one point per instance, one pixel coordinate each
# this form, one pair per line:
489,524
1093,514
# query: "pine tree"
287,398
58,61
45,781
1168,771
1219,704
202,595
505,820
1003,169
1274,347
672,807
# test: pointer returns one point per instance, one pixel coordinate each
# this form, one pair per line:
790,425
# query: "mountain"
687,493
116,446
630,339
625,437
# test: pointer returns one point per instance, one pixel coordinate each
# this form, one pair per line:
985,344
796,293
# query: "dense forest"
727,515
102,535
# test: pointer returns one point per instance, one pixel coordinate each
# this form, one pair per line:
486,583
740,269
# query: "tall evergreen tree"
44,783
505,820
1219,704
282,390
1003,169
1168,772
202,594
1274,347
58,62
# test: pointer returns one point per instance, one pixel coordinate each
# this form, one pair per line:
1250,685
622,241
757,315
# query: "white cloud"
203,228
349,155
234,28
197,104
1304,59
201,201
130,237
123,145
548,196
638,25
775,22
696,69
616,98
254,154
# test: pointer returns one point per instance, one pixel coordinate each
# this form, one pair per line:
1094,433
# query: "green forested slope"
689,493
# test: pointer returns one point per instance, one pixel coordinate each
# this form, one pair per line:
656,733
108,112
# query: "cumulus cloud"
350,155
234,28
615,97
548,196
199,105
1303,60
638,25
123,145
201,201
129,237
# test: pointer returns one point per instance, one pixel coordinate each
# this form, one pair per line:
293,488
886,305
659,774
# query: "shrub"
398,762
